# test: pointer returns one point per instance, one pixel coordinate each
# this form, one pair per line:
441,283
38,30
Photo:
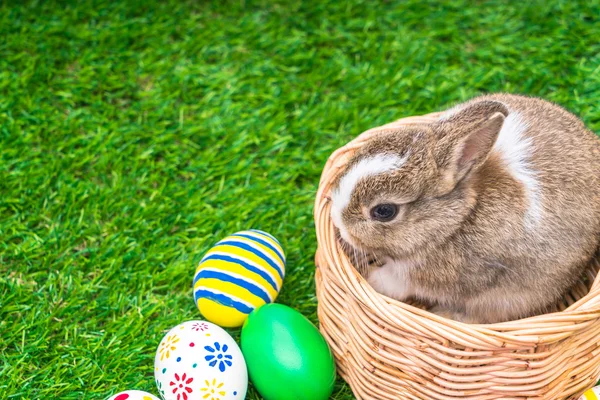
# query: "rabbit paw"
390,280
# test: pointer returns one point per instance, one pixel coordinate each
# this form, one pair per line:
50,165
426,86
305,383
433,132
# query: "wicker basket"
386,349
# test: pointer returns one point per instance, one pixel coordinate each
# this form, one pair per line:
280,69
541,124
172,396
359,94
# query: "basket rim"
535,330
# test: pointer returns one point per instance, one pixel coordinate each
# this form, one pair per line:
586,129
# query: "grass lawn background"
133,137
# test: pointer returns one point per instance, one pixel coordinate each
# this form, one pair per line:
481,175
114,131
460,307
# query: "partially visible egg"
133,395
592,394
238,275
199,360
287,357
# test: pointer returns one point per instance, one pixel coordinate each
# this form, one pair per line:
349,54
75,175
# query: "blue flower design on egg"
218,356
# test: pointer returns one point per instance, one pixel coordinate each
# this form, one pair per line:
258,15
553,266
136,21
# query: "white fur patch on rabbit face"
370,166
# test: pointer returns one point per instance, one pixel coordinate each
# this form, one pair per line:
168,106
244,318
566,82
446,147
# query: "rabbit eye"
384,212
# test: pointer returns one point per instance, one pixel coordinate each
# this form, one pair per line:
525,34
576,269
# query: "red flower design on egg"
180,386
200,327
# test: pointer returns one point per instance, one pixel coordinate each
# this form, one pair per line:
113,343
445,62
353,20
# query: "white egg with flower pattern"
198,360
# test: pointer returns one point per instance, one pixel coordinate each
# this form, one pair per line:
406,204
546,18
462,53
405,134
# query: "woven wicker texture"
386,349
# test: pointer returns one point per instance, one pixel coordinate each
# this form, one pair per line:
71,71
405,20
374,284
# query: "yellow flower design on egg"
168,346
211,391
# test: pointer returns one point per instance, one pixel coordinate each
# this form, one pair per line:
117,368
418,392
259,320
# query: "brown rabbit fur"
498,208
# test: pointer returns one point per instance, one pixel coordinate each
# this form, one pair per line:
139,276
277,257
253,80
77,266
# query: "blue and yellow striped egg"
238,275
592,394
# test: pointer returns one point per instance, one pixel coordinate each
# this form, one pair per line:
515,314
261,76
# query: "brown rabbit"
491,212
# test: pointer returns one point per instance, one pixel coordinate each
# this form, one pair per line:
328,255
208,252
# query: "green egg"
286,355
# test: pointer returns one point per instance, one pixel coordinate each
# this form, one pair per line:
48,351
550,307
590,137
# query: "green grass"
134,137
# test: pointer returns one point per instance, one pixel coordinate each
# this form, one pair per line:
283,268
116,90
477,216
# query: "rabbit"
490,213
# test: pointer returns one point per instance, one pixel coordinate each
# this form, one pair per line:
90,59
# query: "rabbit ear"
467,147
474,149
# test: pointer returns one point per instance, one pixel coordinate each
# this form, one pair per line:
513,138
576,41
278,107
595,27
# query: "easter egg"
592,394
238,275
287,357
198,360
133,395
